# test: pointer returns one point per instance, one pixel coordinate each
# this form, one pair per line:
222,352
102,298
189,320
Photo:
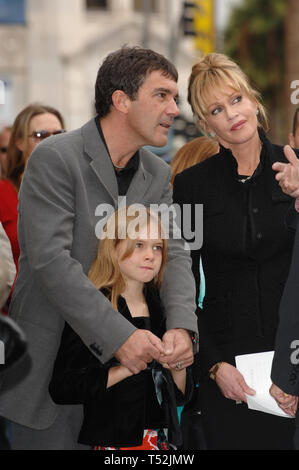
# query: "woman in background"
33,124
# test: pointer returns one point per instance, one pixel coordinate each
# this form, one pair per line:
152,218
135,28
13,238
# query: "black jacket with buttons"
246,252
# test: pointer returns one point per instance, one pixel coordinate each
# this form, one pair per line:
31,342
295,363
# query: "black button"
259,236
96,349
255,210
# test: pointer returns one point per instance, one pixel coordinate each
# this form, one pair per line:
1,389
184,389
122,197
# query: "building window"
12,11
140,4
96,4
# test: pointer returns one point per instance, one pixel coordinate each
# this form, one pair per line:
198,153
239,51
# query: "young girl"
122,410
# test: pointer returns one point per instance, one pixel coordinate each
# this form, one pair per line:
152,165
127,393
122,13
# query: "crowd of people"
124,320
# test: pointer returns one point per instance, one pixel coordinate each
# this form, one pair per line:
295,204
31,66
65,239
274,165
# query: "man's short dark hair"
295,121
126,69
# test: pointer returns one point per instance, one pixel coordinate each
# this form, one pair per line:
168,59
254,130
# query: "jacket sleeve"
285,366
78,376
183,398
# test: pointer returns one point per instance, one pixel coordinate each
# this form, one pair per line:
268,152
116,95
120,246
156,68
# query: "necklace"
242,179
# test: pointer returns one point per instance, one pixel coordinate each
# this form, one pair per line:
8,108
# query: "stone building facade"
54,56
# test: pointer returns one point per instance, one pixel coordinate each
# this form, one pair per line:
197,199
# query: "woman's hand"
232,384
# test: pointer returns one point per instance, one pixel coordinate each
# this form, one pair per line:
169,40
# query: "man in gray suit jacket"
68,181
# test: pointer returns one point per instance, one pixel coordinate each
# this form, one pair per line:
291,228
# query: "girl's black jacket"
118,416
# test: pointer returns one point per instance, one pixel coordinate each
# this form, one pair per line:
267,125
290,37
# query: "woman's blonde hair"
210,73
16,159
193,152
104,272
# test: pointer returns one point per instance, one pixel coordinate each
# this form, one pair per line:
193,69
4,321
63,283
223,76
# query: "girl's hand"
232,384
117,374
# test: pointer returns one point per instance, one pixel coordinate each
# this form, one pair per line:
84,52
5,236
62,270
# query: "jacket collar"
101,164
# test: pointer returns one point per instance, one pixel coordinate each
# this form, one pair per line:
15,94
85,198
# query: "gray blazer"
66,179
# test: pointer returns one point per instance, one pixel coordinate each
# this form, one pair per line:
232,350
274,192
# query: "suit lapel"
103,168
100,160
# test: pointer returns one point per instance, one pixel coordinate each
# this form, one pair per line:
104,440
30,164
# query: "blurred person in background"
191,153
7,267
246,253
294,135
4,141
7,275
32,125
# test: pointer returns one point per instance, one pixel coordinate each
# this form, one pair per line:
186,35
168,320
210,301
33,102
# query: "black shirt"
125,175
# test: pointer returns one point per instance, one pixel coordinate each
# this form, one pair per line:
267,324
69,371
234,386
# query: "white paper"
256,370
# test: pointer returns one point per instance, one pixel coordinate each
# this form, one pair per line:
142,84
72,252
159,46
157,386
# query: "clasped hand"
288,403
143,346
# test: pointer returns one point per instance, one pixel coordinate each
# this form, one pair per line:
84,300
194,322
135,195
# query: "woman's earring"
212,134
257,112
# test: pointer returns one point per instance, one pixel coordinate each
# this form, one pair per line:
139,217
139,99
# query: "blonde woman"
122,410
246,252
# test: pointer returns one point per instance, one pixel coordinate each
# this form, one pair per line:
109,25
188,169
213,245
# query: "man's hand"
178,348
139,349
288,173
288,403
232,384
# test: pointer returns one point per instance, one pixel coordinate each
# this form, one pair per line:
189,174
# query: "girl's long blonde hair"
104,272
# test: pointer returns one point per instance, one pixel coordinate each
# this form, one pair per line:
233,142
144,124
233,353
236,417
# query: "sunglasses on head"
41,135
3,149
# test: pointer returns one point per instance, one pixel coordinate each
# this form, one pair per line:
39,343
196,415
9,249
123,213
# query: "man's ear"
120,101
291,139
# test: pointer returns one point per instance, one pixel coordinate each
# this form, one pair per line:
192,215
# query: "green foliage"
254,38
